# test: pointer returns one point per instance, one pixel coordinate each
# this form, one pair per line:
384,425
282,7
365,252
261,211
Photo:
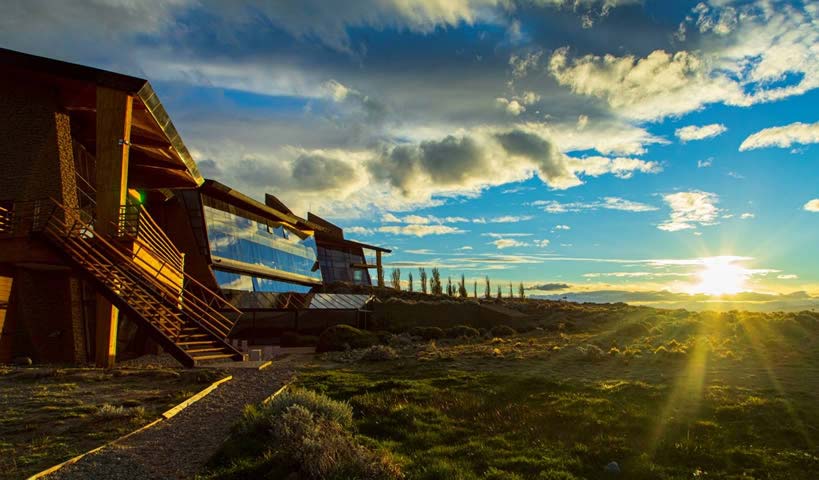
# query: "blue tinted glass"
336,266
235,281
237,238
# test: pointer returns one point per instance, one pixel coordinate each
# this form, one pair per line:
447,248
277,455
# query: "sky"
604,150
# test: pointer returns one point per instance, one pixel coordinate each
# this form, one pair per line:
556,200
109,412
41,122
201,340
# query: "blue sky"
604,145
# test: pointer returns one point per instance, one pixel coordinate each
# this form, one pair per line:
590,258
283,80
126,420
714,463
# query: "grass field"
665,394
52,414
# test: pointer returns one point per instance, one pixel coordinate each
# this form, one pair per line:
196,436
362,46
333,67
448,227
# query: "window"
244,240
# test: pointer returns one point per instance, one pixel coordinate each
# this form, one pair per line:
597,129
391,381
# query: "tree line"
433,285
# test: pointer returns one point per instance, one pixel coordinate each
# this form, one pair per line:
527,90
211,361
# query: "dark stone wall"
43,310
44,316
36,154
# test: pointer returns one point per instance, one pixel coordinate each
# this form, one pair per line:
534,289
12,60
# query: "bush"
309,435
293,339
427,333
384,336
591,352
462,331
342,337
111,412
378,353
320,405
503,331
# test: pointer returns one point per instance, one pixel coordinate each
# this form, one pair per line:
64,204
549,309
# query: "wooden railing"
135,223
5,220
74,228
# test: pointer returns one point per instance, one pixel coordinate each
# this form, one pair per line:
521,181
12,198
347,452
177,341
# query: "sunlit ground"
672,396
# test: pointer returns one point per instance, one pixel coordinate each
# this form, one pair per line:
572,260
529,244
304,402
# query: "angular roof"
158,156
333,235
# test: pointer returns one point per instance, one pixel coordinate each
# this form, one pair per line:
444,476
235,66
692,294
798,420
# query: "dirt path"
179,447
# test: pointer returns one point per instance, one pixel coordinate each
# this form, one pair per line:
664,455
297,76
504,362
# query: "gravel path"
179,447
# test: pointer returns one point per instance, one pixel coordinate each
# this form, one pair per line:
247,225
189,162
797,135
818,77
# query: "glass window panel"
248,241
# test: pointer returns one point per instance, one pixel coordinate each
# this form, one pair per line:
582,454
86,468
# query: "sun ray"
755,336
687,391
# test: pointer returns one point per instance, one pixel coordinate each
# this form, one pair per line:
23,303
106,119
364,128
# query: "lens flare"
721,277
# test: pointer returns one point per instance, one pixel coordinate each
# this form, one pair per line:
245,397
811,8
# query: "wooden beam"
379,269
113,136
114,111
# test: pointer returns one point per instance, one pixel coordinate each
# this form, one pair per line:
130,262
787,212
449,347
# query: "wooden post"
113,138
378,270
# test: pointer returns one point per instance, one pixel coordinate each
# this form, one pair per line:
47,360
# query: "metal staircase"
186,321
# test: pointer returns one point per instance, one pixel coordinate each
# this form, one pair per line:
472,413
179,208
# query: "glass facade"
257,244
248,283
336,265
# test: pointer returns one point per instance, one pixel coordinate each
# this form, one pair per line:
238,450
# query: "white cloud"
621,167
693,132
512,107
505,235
649,88
562,227
359,230
528,98
507,219
390,218
522,64
787,276
757,52
336,90
542,243
747,216
502,243
705,163
783,137
420,230
608,203
689,209
812,205
312,17
417,219
465,247
582,121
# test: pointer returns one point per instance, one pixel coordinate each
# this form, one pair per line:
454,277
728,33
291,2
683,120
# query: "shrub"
462,331
427,333
383,336
293,339
320,405
111,412
342,337
591,352
323,449
378,353
503,331
309,435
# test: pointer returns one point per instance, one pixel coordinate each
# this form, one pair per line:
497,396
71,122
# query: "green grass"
722,396
52,414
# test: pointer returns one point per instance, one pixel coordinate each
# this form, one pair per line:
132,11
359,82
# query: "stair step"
196,342
212,357
205,350
192,336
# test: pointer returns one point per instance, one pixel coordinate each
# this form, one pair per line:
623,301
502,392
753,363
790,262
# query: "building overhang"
325,241
158,156
235,266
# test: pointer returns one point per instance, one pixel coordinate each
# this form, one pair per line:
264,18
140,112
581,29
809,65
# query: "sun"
721,278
